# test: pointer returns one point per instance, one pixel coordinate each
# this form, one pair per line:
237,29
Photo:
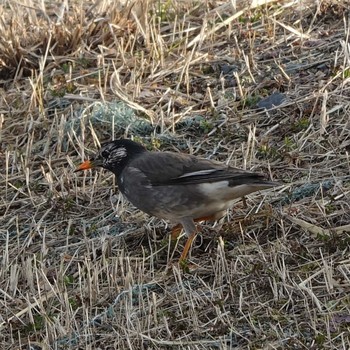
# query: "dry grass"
81,268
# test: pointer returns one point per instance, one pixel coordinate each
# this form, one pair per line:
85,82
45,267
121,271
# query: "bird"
178,187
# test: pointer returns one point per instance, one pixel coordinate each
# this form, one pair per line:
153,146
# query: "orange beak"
85,166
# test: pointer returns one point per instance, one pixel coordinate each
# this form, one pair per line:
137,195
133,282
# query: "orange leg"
188,246
206,218
176,230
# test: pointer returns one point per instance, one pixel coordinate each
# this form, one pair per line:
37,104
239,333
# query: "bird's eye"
105,154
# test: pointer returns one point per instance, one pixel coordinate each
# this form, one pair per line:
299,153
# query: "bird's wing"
167,168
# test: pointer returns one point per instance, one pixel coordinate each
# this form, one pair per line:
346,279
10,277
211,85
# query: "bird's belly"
208,209
193,210
175,202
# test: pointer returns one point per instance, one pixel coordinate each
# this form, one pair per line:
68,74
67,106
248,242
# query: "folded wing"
169,168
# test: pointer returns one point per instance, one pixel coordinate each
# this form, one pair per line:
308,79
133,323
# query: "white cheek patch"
116,155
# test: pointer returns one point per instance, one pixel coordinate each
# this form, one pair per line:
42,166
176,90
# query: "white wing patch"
198,173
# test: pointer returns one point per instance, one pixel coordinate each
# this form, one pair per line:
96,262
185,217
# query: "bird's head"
114,156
